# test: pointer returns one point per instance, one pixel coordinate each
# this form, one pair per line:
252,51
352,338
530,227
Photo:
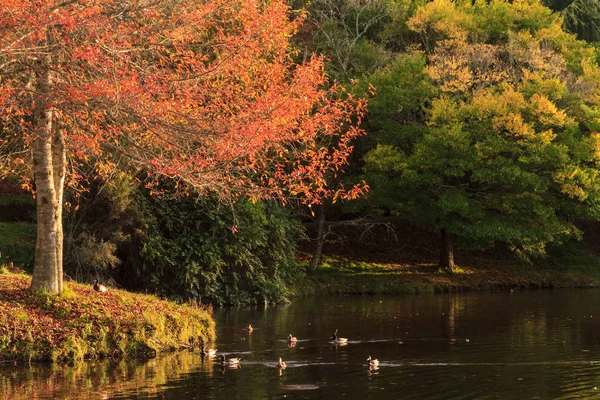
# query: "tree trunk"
59,161
315,262
447,251
49,161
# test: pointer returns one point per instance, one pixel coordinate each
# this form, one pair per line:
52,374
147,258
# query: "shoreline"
350,278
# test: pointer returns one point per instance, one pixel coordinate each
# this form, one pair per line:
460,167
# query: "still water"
502,345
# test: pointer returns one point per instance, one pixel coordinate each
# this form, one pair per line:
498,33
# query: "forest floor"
395,257
84,324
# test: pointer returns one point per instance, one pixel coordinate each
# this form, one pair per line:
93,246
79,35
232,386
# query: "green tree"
507,149
580,16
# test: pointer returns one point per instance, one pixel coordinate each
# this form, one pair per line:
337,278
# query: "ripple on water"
228,353
305,386
290,364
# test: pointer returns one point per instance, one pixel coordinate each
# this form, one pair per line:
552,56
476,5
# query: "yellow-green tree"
510,144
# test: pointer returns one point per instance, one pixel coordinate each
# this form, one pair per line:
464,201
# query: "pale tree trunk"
315,261
447,251
49,171
59,161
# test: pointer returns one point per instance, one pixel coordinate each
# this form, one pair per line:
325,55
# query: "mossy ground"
83,324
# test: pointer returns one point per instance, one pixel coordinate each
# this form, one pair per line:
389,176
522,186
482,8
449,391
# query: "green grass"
17,200
17,243
338,265
570,266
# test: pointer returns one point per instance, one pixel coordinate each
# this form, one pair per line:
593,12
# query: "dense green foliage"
181,247
18,243
17,229
232,255
581,17
99,223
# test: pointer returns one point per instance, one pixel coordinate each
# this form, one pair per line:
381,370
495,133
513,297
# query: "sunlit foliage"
503,146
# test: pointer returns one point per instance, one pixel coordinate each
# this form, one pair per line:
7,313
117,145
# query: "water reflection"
542,344
102,380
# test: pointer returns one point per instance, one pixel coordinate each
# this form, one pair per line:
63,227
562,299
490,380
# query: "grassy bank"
404,261
83,324
343,276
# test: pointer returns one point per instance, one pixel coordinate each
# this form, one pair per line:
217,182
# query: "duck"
230,361
281,364
98,287
249,328
292,339
335,339
207,353
373,362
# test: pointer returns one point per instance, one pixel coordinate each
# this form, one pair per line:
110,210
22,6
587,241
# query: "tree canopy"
502,143
580,16
203,93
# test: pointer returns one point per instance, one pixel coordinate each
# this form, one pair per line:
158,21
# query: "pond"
500,345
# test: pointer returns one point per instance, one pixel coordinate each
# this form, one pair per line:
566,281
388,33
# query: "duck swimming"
230,361
335,339
281,363
249,328
292,339
373,362
208,353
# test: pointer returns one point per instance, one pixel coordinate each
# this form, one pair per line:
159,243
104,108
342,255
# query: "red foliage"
202,92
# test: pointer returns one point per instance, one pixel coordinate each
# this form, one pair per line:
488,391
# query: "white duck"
230,361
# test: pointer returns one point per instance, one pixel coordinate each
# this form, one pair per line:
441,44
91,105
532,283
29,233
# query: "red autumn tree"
203,92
